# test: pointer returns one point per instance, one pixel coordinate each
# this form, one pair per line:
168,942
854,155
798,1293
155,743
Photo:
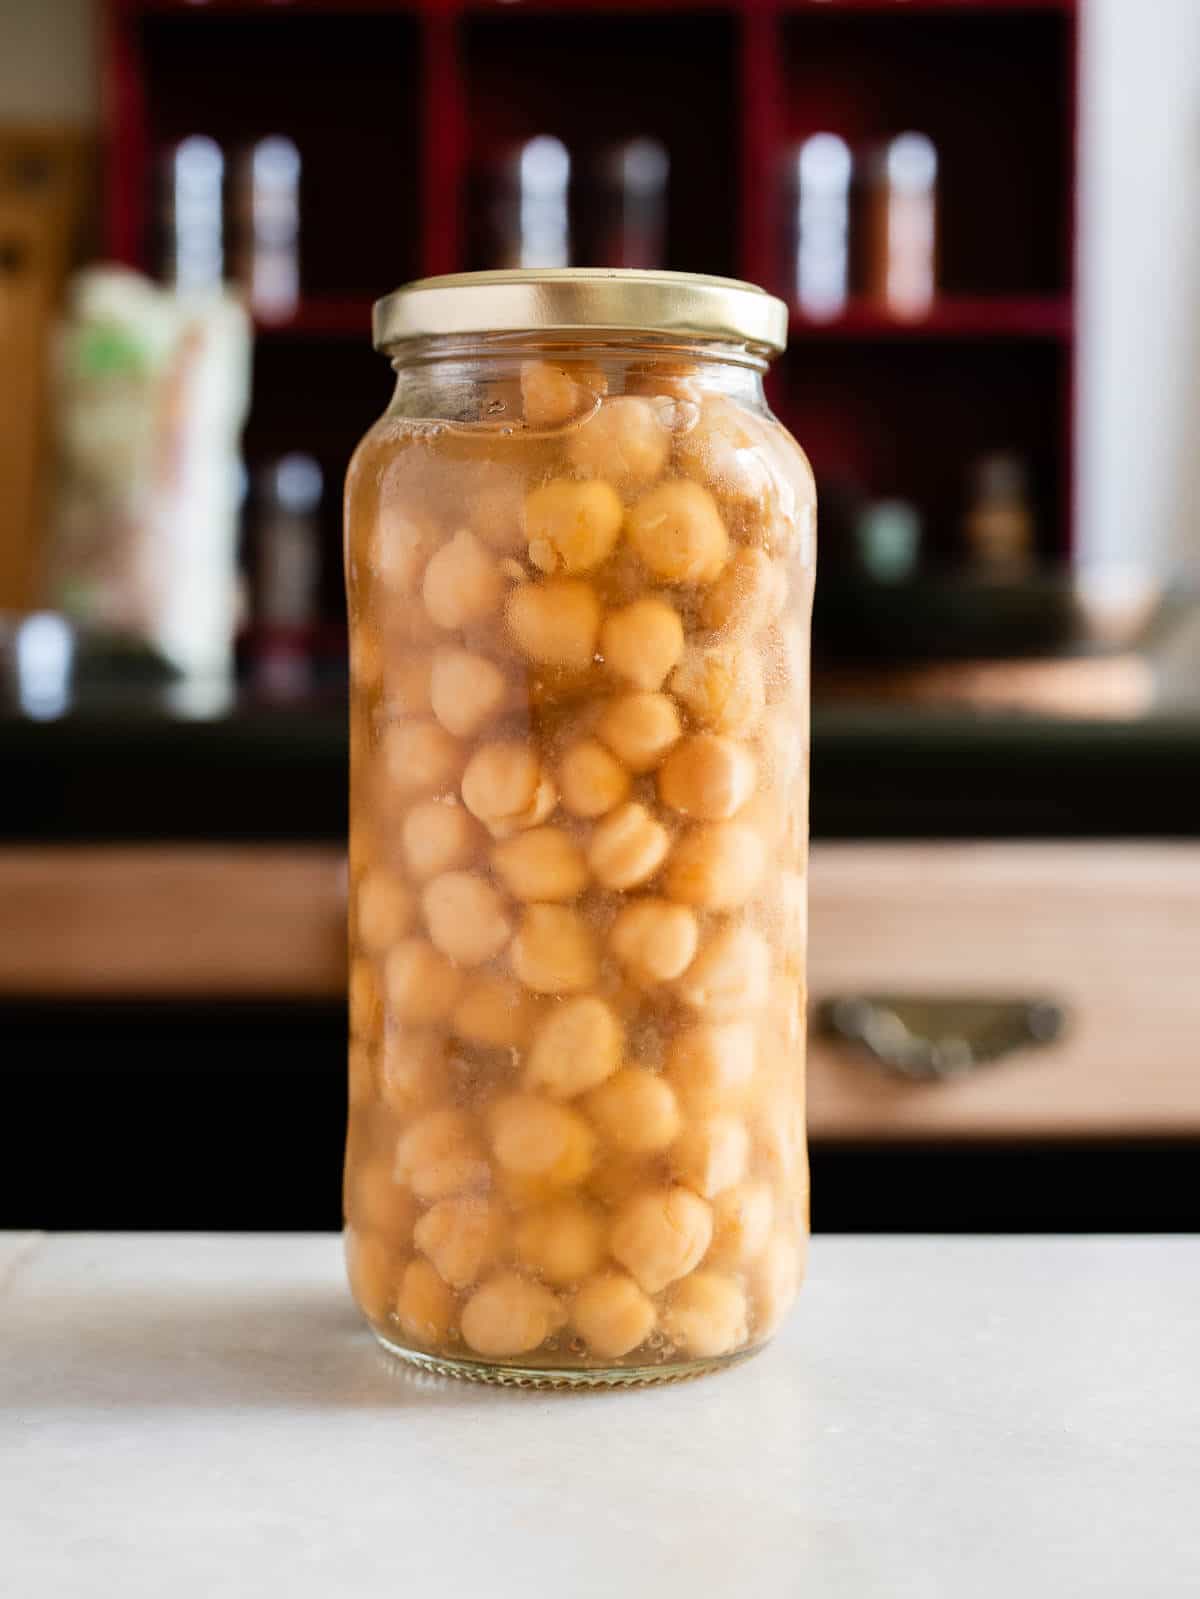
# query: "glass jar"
579,566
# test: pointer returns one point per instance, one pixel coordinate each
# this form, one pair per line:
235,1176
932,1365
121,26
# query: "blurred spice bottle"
288,574
192,219
817,179
998,528
898,208
626,212
267,264
522,207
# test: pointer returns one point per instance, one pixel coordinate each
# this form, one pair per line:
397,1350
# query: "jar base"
512,1375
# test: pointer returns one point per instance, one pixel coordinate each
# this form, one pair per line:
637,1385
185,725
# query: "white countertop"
205,1416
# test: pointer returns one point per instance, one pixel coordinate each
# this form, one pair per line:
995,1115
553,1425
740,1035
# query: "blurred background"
985,216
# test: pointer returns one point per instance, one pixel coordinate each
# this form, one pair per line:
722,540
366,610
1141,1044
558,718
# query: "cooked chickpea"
556,622
465,917
371,1268
420,758
591,779
660,1235
707,776
377,1202
729,977
642,642
639,729
716,865
654,940
535,1137
551,394
403,544
576,1045
636,1111
612,1315
406,684
749,594
625,440
384,909
461,1236
776,1280
439,1156
421,984
711,1066
554,951
506,787
424,1304
509,1316
496,508
628,847
726,448
742,1220
543,864
494,1011
436,836
466,691
721,687
412,1068
677,531
707,1316
572,527
462,582
710,1156
366,1010
562,1242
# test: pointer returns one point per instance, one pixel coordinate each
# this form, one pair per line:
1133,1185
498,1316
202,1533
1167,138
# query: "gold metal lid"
581,300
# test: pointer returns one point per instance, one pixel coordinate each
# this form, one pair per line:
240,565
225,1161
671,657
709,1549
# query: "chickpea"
710,1156
509,1316
562,1242
555,622
496,1012
506,787
419,758
616,1175
717,865
572,527
576,1045
366,1010
612,1315
534,1137
624,440
550,394
466,691
496,508
639,729
465,917
378,1203
543,864
461,1236
677,532
554,951
742,1220
371,1269
707,1316
711,1066
642,642
407,686
439,1156
636,1111
660,1235
777,1280
462,582
628,847
721,687
424,1305
654,940
729,977
749,594
403,545
726,448
707,777
436,836
384,909
412,1069
422,985
592,781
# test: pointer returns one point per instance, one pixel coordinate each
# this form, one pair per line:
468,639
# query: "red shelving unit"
394,105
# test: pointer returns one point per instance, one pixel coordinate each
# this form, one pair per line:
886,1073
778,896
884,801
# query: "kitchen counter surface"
206,1416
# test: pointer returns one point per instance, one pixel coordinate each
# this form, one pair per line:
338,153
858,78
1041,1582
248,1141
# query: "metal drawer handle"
927,1040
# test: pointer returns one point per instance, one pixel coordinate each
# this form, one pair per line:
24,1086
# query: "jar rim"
581,300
